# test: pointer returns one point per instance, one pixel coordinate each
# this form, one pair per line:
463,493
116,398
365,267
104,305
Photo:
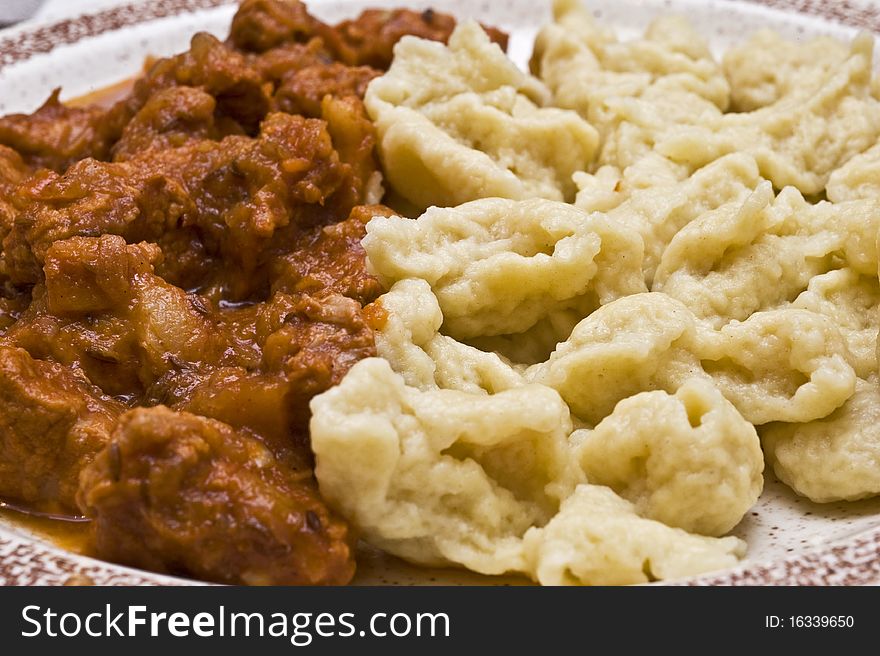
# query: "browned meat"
224,200
104,312
216,69
91,198
171,118
369,39
52,423
301,91
261,25
180,493
332,259
13,171
304,345
56,136
195,250
274,64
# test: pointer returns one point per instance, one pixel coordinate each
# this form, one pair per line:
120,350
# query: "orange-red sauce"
105,96
71,536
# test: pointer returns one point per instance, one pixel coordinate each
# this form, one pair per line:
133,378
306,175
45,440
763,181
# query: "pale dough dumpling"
779,365
730,263
834,458
658,212
767,67
410,341
638,343
798,140
858,178
782,365
687,459
442,476
598,539
499,266
852,301
487,482
461,122
631,92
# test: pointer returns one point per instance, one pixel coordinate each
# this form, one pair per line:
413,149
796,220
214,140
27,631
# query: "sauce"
66,534
105,96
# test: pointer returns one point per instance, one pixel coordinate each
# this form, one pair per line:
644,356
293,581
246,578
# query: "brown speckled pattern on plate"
854,14
26,561
42,39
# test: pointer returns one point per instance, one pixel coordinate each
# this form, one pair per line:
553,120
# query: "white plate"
791,540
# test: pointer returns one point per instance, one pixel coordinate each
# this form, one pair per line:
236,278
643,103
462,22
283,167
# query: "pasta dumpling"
461,122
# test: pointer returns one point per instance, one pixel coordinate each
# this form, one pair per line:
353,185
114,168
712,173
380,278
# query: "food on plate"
858,178
177,492
54,421
317,284
695,307
833,458
488,481
657,211
182,272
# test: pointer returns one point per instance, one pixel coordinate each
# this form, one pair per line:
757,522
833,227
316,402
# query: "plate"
791,541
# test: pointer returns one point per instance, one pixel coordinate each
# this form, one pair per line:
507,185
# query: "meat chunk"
261,25
91,198
274,64
319,340
241,200
56,136
104,312
218,70
52,422
301,91
171,118
180,493
369,39
13,171
299,345
332,259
